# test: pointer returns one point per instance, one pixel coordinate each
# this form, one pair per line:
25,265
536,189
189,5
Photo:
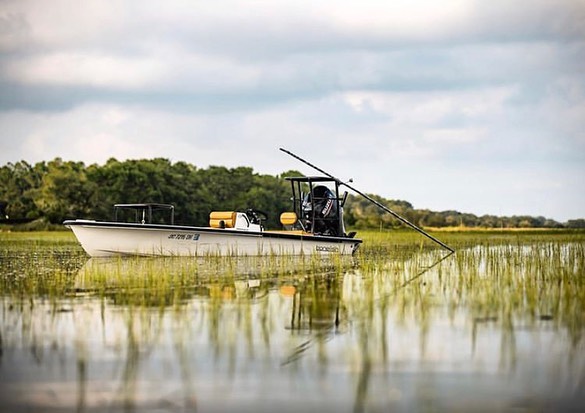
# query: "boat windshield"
148,213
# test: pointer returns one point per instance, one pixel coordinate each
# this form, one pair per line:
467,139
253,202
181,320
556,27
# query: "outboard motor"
321,213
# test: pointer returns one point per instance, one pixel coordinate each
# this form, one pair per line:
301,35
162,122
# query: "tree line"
57,190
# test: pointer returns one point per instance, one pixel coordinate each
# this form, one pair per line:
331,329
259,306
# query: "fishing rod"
385,208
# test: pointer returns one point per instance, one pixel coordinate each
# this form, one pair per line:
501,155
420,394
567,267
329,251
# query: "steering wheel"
256,216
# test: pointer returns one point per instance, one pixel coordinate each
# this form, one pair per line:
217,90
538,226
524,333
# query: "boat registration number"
185,237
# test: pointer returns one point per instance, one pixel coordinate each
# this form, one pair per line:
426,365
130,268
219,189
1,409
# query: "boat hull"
107,239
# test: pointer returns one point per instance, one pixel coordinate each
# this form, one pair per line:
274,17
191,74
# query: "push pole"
384,207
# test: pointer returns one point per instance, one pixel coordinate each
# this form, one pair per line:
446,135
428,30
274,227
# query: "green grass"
500,282
492,274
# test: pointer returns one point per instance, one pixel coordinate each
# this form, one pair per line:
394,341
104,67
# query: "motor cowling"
321,212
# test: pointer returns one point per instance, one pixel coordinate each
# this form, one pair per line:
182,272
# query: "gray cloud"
471,86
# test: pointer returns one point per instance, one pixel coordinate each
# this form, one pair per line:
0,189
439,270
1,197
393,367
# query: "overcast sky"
477,106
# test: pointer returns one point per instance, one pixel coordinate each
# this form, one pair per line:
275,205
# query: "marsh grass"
504,278
166,281
494,276
524,265
391,306
42,264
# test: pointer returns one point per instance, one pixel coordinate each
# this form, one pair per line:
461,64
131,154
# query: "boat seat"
288,219
222,219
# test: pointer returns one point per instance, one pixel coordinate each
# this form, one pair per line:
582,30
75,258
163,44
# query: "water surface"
491,328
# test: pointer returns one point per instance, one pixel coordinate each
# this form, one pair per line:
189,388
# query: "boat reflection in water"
291,334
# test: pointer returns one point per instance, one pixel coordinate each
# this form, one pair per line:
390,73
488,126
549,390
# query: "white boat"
314,226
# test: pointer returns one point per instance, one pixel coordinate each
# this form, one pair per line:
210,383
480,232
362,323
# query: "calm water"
491,328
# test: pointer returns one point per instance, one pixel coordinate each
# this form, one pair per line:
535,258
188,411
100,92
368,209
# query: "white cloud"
408,97
86,69
400,18
453,136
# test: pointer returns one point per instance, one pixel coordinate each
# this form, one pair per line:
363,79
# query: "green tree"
59,190
17,184
64,192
